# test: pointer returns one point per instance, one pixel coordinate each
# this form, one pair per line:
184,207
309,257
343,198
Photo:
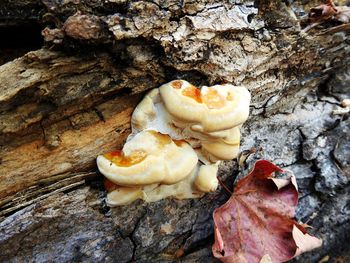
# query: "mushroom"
172,128
150,114
151,193
182,190
124,196
145,112
210,109
225,148
147,158
206,180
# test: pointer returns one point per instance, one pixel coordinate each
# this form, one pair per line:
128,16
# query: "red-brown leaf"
329,11
322,12
257,220
343,14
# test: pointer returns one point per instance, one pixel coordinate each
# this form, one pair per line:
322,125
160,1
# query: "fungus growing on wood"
184,189
223,148
206,180
147,158
180,133
208,109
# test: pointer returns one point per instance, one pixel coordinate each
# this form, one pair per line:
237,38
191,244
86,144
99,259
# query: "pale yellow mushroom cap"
184,189
124,196
181,190
224,148
150,114
219,151
206,180
145,111
210,109
147,158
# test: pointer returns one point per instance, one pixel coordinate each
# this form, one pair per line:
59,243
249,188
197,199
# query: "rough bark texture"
64,104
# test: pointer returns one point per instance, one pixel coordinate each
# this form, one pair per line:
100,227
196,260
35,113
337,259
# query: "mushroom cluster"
180,133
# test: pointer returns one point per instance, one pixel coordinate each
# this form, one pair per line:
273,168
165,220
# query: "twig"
224,186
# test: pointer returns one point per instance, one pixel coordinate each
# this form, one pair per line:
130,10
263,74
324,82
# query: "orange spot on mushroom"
193,93
162,139
179,142
213,99
118,158
176,84
109,185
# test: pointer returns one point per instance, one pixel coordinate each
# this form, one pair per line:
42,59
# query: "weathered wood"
60,118
61,107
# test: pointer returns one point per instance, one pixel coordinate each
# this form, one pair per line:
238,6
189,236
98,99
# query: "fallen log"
64,104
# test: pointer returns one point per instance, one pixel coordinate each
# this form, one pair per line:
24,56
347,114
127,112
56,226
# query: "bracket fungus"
180,133
150,157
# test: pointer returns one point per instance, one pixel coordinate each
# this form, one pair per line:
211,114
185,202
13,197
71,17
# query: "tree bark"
67,102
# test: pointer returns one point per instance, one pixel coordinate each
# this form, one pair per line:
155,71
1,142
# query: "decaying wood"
59,120
66,103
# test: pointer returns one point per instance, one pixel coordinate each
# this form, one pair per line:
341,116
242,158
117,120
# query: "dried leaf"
257,220
322,12
329,11
343,14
